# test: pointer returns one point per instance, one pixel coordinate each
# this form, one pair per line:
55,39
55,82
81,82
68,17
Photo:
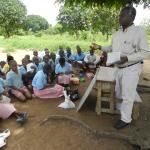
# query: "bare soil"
66,135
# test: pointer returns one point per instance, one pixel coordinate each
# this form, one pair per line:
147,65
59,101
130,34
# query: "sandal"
5,133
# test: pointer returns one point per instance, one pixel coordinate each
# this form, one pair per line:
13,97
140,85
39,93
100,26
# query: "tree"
107,3
73,19
97,19
35,23
105,20
12,14
146,24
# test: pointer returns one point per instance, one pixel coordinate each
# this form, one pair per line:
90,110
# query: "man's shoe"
121,124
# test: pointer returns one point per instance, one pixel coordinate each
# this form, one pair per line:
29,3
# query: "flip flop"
5,133
2,142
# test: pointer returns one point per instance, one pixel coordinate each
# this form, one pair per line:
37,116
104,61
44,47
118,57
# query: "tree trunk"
7,34
107,36
77,34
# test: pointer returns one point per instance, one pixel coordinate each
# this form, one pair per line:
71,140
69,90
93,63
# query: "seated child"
45,52
35,54
53,56
15,83
6,67
50,62
46,60
26,76
69,57
41,86
28,58
61,53
37,63
2,63
34,66
80,55
23,67
7,109
90,60
63,70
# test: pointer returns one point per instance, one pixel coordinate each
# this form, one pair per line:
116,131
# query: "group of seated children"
44,76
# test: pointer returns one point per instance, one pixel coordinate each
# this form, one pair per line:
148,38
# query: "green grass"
49,41
52,42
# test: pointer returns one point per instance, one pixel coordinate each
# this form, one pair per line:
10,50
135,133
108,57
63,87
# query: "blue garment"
71,57
1,85
57,60
42,64
79,57
51,63
66,69
22,70
40,80
14,79
39,67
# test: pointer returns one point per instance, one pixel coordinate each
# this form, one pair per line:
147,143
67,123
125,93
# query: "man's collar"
128,28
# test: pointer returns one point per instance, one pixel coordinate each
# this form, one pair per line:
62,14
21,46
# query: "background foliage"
78,24
12,15
106,3
35,23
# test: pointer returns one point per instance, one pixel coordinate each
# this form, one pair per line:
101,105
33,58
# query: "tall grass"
50,41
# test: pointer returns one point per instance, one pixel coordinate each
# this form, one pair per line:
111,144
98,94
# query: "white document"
112,58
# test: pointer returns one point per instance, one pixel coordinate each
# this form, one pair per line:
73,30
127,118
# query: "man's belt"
141,62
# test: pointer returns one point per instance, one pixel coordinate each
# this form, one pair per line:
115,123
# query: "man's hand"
95,46
123,59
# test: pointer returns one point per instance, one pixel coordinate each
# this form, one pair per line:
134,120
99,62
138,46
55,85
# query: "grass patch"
52,42
49,41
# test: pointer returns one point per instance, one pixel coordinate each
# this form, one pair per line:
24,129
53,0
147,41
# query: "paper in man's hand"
113,58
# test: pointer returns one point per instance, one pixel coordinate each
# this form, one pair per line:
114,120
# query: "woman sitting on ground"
15,83
63,71
41,85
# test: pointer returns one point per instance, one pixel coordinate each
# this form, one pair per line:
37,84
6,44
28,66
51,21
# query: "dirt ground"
52,128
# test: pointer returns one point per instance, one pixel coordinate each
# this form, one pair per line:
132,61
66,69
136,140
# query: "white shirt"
90,58
131,43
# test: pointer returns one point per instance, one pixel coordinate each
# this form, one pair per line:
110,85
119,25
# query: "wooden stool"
105,95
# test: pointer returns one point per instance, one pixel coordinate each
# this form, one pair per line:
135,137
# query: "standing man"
132,43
